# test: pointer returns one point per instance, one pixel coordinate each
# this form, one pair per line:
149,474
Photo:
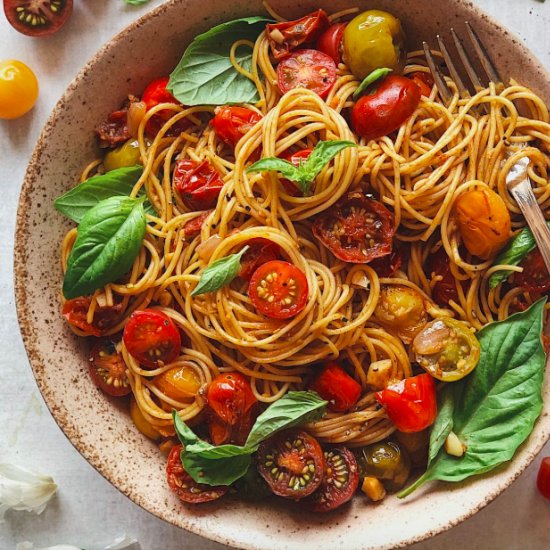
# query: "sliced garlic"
380,374
360,280
453,445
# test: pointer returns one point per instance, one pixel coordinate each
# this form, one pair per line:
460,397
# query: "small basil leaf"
443,424
287,169
185,434
205,74
108,241
252,486
221,471
377,74
219,273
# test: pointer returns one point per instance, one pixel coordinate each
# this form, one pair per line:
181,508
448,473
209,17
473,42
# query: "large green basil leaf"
495,408
205,75
443,424
108,241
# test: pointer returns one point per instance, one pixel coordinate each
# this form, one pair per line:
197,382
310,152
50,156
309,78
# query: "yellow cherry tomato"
18,89
178,383
126,155
142,424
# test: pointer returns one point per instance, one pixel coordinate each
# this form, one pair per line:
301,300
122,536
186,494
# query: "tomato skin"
295,158
232,123
260,252
198,183
388,265
18,89
387,108
445,289
48,22
543,477
152,338
308,69
107,368
356,229
330,42
179,383
337,387
295,33
535,276
411,404
75,312
193,227
424,81
288,286
183,485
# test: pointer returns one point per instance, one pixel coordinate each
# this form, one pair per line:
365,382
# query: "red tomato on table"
198,183
543,478
37,18
337,387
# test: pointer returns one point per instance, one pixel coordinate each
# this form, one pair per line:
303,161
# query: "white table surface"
88,511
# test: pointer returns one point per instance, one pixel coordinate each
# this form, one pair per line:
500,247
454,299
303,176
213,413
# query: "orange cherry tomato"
337,387
543,478
179,383
18,89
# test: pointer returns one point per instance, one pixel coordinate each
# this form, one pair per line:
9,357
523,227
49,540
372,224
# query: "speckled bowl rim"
33,353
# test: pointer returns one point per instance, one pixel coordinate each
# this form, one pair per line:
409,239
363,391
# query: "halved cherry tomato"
543,477
232,123
198,183
483,221
185,487
388,265
179,383
289,35
193,227
75,312
356,229
445,289
292,463
37,17
308,69
339,482
107,368
379,113
18,89
337,387
295,158
424,81
278,289
330,42
233,407
535,276
113,131
260,251
152,338
411,404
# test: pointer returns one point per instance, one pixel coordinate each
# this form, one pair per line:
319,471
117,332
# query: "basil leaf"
219,273
221,471
205,75
443,424
513,254
252,486
495,408
287,169
375,75
108,241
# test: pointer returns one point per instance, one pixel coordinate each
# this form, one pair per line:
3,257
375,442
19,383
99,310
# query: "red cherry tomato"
152,338
260,251
289,35
308,69
424,81
193,227
198,183
37,18
154,94
232,123
185,487
445,289
278,289
330,42
233,408
535,276
75,312
356,229
388,265
543,478
107,368
295,158
388,107
337,387
411,404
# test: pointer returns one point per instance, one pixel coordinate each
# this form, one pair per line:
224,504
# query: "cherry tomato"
330,42
339,482
388,107
37,18
260,251
292,463
308,69
483,221
424,81
107,368
296,159
278,289
198,183
141,423
289,35
154,94
18,89
185,487
193,227
337,387
113,131
388,265
75,312
445,289
535,276
543,477
152,338
411,404
179,383
233,407
128,154
232,123
356,229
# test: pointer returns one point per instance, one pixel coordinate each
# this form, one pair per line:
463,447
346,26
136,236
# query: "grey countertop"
89,512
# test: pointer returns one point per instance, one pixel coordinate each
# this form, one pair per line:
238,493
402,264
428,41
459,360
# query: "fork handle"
523,193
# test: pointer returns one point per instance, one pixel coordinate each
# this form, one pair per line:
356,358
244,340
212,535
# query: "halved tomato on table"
198,183
37,17
260,251
535,276
107,368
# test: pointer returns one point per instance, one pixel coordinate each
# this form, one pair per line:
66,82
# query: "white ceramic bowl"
100,429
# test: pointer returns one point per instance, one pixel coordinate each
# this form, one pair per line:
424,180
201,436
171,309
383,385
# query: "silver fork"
517,179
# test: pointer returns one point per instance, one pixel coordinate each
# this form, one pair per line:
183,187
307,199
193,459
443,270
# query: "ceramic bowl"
98,427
